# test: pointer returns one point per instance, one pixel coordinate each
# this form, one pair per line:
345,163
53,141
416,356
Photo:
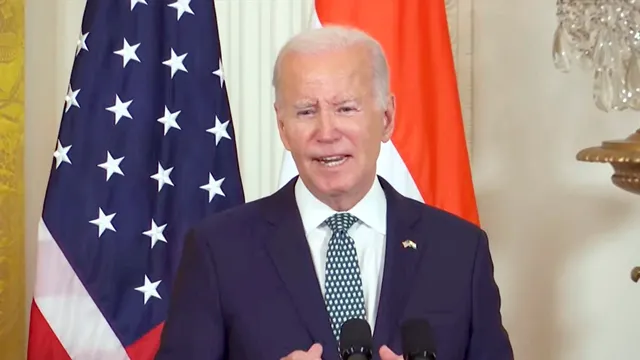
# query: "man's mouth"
332,161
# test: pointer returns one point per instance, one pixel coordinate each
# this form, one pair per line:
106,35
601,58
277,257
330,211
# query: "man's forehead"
317,72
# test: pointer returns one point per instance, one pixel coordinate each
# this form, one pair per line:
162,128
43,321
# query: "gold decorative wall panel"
12,267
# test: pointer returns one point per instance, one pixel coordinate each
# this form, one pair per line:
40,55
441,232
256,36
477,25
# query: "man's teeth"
333,160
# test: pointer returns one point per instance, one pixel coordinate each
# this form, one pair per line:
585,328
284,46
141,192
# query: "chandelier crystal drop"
602,37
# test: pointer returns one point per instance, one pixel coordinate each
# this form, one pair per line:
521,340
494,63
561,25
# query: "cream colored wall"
51,30
251,33
563,238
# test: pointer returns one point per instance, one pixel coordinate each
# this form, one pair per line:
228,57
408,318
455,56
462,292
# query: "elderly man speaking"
278,277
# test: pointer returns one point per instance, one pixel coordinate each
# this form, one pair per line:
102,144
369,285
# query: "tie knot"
341,221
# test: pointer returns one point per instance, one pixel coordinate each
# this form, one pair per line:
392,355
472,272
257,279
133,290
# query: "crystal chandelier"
603,37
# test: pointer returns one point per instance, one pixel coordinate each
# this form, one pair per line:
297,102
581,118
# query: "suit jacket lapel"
400,263
286,243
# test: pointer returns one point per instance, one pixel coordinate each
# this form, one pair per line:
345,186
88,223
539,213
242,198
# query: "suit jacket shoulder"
242,221
439,224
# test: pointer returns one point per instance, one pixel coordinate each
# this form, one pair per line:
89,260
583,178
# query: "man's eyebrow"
343,101
304,104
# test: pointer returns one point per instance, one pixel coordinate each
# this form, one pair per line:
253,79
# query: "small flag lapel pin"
409,243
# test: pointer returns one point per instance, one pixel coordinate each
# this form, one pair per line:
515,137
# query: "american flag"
146,148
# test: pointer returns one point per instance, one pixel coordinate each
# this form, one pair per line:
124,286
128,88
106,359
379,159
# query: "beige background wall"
563,238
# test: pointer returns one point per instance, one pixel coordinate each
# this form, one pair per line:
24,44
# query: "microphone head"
417,339
355,338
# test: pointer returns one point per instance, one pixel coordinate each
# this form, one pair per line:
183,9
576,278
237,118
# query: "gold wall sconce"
603,37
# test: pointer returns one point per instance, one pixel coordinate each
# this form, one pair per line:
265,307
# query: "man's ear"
389,120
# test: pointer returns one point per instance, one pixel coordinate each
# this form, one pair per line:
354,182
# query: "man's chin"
335,188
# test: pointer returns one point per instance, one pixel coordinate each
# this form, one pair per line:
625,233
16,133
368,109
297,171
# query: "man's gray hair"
338,37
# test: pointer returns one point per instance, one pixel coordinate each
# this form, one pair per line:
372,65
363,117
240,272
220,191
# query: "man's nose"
326,127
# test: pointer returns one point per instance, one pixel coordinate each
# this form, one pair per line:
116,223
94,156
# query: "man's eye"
347,109
305,112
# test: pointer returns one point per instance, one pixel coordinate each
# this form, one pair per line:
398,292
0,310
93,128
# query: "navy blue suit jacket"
246,287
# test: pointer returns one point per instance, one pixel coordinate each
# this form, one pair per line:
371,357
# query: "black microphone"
355,340
417,340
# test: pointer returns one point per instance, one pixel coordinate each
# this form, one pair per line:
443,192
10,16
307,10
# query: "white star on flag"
214,187
112,166
170,120
62,154
149,289
162,176
136,2
82,43
175,62
155,233
220,130
182,6
71,99
128,52
103,222
120,109
220,72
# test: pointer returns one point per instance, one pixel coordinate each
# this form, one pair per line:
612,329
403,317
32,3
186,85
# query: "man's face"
329,120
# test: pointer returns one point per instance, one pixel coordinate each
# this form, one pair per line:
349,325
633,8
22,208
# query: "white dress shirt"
368,233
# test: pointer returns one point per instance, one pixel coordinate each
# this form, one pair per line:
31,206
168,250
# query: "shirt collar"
371,210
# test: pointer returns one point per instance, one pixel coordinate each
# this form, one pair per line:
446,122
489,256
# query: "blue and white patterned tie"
343,286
